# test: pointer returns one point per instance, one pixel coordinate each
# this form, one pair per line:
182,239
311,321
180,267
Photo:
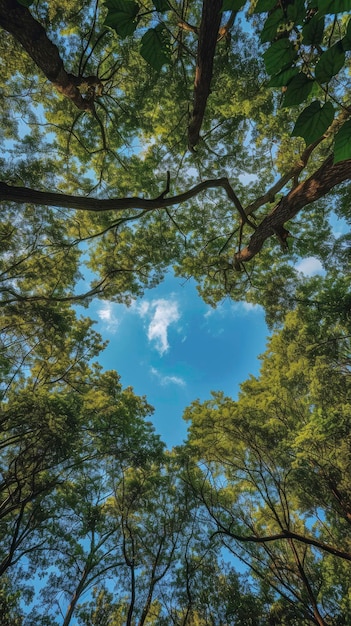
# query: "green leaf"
25,3
326,7
342,147
271,25
232,5
330,63
155,47
298,90
283,78
296,12
313,121
264,5
121,16
161,5
313,31
279,56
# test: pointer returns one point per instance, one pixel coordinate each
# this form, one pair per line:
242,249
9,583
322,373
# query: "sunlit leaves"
298,90
279,56
232,5
161,5
346,41
264,5
155,43
298,61
313,31
271,25
314,121
122,16
342,148
333,6
330,63
155,47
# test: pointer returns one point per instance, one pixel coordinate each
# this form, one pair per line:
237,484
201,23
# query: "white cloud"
143,308
164,313
246,307
168,380
310,266
159,314
107,316
209,313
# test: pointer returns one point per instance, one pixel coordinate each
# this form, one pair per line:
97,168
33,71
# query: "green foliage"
161,5
155,47
298,89
232,5
279,56
313,31
11,614
283,78
300,40
328,6
271,25
343,143
330,63
264,5
271,464
314,121
87,483
122,16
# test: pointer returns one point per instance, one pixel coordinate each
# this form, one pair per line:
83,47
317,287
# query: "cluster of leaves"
306,58
86,483
94,509
124,16
272,469
137,533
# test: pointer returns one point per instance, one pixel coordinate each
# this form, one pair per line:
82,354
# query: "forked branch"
17,20
80,203
316,186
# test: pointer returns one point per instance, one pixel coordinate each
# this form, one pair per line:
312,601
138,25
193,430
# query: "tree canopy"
212,138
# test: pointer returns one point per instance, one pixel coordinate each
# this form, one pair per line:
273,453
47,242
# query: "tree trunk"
208,33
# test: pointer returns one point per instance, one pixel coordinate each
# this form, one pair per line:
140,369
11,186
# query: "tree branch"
22,195
208,34
17,20
284,535
315,187
300,164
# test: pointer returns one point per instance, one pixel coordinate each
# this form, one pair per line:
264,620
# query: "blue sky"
173,348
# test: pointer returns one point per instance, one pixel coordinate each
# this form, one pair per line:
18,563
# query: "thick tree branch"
45,198
300,164
17,20
208,34
315,187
